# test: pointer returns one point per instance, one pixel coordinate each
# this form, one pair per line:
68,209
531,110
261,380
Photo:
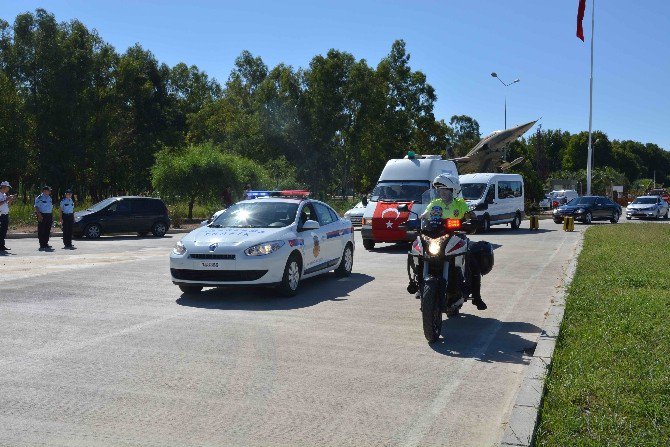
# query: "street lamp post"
495,75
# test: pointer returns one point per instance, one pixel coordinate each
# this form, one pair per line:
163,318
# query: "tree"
201,172
465,134
576,153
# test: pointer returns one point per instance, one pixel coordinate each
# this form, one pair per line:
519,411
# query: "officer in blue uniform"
43,212
67,219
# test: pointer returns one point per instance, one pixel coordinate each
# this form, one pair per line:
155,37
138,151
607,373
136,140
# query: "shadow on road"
520,231
466,337
313,291
124,237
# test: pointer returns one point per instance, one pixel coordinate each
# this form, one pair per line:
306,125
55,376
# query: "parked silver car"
355,215
649,207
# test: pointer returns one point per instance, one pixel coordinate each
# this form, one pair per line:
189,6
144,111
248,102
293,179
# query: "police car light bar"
299,193
287,193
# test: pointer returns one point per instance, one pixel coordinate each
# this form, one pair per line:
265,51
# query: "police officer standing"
5,200
67,219
43,211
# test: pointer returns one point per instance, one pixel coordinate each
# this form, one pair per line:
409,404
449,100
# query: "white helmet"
448,181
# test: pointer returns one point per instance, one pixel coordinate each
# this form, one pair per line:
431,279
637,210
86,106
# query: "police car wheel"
93,231
159,229
291,279
347,262
190,289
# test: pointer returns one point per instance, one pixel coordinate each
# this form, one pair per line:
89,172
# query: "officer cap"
68,191
5,184
45,187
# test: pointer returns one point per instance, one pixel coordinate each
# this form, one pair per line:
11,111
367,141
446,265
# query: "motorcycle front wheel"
431,313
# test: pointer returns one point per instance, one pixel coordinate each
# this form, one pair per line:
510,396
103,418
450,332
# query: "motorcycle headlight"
179,248
264,249
435,246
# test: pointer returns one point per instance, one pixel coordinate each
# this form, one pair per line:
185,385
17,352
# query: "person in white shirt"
5,200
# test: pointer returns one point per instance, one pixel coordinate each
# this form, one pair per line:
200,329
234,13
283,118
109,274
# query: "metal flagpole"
590,153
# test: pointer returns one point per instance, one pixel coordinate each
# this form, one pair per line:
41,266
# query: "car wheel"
666,214
486,224
93,231
615,217
159,229
588,218
516,223
347,262
628,218
190,289
291,279
369,244
558,221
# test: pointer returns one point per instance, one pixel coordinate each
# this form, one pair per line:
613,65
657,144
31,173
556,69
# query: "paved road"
99,348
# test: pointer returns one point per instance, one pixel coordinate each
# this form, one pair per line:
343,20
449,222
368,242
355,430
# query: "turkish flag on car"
580,19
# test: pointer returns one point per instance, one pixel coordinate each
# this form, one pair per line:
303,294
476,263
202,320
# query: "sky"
457,44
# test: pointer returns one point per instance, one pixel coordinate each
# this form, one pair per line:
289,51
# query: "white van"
405,180
495,198
561,197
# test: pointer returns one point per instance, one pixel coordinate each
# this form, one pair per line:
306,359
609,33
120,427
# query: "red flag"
385,221
580,18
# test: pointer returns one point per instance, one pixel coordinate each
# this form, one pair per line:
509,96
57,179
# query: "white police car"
276,240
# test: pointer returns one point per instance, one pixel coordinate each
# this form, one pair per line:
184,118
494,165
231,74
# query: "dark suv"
139,215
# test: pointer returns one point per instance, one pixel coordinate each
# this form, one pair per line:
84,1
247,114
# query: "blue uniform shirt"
67,206
44,204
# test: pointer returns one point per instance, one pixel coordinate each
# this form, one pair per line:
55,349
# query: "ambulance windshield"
399,191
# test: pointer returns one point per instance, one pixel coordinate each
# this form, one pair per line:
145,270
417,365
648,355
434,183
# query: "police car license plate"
210,265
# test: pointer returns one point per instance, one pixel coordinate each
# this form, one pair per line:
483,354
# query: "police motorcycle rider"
443,266
447,205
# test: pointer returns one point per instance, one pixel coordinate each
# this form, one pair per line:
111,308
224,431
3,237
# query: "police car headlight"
264,249
179,249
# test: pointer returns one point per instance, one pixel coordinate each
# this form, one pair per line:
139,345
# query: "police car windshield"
257,215
101,205
472,191
399,191
645,201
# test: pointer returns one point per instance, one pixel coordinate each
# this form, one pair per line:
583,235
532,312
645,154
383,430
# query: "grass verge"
610,376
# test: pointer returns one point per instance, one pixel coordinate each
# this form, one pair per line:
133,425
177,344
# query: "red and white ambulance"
405,180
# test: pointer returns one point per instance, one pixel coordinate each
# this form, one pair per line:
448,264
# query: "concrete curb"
520,431
57,234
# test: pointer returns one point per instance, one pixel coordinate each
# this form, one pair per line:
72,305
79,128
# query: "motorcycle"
436,266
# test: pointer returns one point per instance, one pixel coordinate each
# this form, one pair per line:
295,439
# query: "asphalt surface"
99,348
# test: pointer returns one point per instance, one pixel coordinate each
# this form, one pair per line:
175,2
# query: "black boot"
476,293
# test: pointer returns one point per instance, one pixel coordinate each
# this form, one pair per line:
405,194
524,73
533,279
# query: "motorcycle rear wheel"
431,313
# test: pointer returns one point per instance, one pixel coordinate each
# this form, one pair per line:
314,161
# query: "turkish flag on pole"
580,18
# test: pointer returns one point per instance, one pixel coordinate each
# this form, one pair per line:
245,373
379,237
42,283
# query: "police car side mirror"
403,208
364,200
311,225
